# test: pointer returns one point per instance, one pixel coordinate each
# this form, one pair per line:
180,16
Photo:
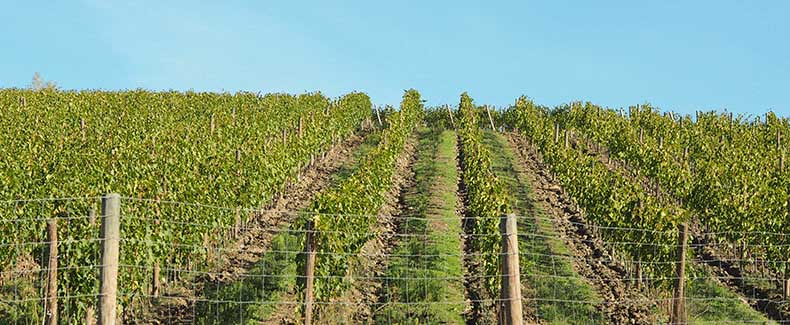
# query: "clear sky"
679,55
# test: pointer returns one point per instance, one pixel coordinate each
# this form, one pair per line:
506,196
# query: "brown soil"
594,263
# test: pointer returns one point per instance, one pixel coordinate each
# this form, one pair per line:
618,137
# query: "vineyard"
217,208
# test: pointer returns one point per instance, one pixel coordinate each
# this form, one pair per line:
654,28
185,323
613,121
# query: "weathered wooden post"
309,271
82,128
679,307
233,116
510,291
490,120
211,124
155,285
52,276
378,115
111,235
450,112
556,132
641,135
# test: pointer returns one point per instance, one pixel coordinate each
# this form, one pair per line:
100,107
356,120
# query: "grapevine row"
346,213
217,149
487,199
724,169
641,226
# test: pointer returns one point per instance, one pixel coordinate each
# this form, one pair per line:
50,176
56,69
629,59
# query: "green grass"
544,277
433,200
725,305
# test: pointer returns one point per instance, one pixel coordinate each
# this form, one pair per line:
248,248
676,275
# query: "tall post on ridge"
378,116
490,120
450,112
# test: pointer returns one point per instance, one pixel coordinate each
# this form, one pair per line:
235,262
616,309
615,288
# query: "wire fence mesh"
191,263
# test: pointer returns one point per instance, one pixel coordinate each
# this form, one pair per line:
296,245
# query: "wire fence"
192,263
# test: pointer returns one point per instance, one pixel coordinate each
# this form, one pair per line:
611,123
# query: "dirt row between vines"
620,302
715,260
359,304
255,237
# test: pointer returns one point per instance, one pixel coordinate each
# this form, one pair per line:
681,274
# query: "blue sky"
679,55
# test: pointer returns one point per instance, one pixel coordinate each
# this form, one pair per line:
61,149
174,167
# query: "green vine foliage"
151,146
344,214
641,227
486,194
724,169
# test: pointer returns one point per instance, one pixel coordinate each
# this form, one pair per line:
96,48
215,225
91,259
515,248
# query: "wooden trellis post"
490,120
110,235
450,112
309,272
510,291
52,274
678,302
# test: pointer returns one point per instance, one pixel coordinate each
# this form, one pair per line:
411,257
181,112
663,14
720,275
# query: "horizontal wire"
49,199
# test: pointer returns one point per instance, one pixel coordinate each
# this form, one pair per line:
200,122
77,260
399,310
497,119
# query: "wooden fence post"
450,112
309,272
378,116
110,235
778,139
679,307
490,120
510,290
211,124
233,116
155,285
641,135
82,128
52,277
786,282
556,132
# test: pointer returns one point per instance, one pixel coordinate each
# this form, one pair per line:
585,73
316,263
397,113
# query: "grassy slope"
543,276
433,202
718,304
278,266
